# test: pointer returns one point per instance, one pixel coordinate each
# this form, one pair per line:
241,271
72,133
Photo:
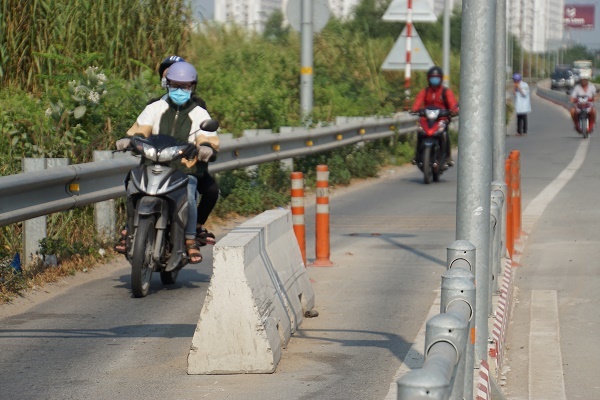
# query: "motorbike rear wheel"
141,262
427,167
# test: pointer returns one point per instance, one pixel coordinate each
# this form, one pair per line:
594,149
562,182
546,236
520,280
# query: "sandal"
193,251
121,246
204,237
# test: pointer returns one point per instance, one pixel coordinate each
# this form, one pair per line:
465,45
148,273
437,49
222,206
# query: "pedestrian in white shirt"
522,103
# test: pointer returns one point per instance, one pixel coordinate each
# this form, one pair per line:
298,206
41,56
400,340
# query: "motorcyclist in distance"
439,96
584,88
179,116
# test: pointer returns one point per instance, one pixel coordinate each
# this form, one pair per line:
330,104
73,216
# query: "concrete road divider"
256,299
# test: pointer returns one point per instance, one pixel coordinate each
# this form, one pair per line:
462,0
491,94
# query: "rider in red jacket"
439,96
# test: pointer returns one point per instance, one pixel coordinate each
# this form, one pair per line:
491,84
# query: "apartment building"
252,14
537,24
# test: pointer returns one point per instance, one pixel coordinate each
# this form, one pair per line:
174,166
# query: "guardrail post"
494,253
419,384
105,217
322,219
34,229
458,298
501,186
497,201
298,212
461,256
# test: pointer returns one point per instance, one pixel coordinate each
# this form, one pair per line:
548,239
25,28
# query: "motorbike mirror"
209,125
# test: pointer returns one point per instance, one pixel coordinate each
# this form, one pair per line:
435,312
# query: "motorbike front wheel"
427,167
168,278
583,123
141,262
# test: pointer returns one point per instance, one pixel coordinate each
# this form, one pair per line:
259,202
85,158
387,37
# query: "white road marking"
545,358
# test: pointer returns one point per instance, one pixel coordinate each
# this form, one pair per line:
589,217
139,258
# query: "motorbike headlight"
149,151
170,153
432,114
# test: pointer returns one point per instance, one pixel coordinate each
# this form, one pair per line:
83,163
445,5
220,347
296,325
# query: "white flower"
94,97
101,79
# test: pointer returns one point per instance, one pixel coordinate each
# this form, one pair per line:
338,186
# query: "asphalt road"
552,337
87,338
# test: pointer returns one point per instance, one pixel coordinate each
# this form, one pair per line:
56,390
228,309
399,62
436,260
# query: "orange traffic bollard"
322,219
515,157
298,212
510,242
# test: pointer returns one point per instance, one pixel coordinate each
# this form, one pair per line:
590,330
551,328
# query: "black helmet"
166,63
435,71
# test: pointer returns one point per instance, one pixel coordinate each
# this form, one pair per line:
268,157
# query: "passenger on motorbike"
439,96
584,88
179,116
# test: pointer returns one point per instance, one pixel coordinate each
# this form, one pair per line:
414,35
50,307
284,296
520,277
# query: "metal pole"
408,54
446,44
475,140
306,61
499,98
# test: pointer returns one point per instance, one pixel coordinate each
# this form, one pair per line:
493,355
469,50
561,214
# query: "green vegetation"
75,74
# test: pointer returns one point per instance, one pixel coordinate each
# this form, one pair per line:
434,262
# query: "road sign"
419,57
422,11
320,14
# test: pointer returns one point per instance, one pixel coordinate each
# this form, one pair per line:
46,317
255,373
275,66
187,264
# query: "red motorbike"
433,122
583,109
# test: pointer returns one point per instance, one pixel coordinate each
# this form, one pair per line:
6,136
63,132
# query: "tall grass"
44,38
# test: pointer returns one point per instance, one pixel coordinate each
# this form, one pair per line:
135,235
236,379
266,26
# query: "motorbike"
583,108
157,209
432,125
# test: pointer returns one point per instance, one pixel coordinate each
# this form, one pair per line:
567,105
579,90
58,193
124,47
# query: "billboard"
579,16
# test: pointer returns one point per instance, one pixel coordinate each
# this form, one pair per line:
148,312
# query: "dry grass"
38,275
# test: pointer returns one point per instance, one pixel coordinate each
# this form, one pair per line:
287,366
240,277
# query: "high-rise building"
252,14
536,24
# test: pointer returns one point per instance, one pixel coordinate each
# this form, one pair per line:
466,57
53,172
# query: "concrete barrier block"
256,299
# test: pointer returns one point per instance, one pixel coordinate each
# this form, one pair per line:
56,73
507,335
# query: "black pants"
522,124
209,192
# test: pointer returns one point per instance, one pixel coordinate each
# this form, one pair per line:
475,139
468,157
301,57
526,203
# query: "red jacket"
432,96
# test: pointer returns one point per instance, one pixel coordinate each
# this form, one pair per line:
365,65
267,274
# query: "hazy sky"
203,9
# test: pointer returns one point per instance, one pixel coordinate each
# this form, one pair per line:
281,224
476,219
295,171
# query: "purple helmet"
517,77
182,72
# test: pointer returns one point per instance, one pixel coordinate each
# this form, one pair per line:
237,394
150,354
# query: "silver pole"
446,44
306,61
499,152
475,142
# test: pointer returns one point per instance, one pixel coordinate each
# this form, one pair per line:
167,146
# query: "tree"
274,30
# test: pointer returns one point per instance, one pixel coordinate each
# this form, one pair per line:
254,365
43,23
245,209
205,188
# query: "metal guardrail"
555,96
33,194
